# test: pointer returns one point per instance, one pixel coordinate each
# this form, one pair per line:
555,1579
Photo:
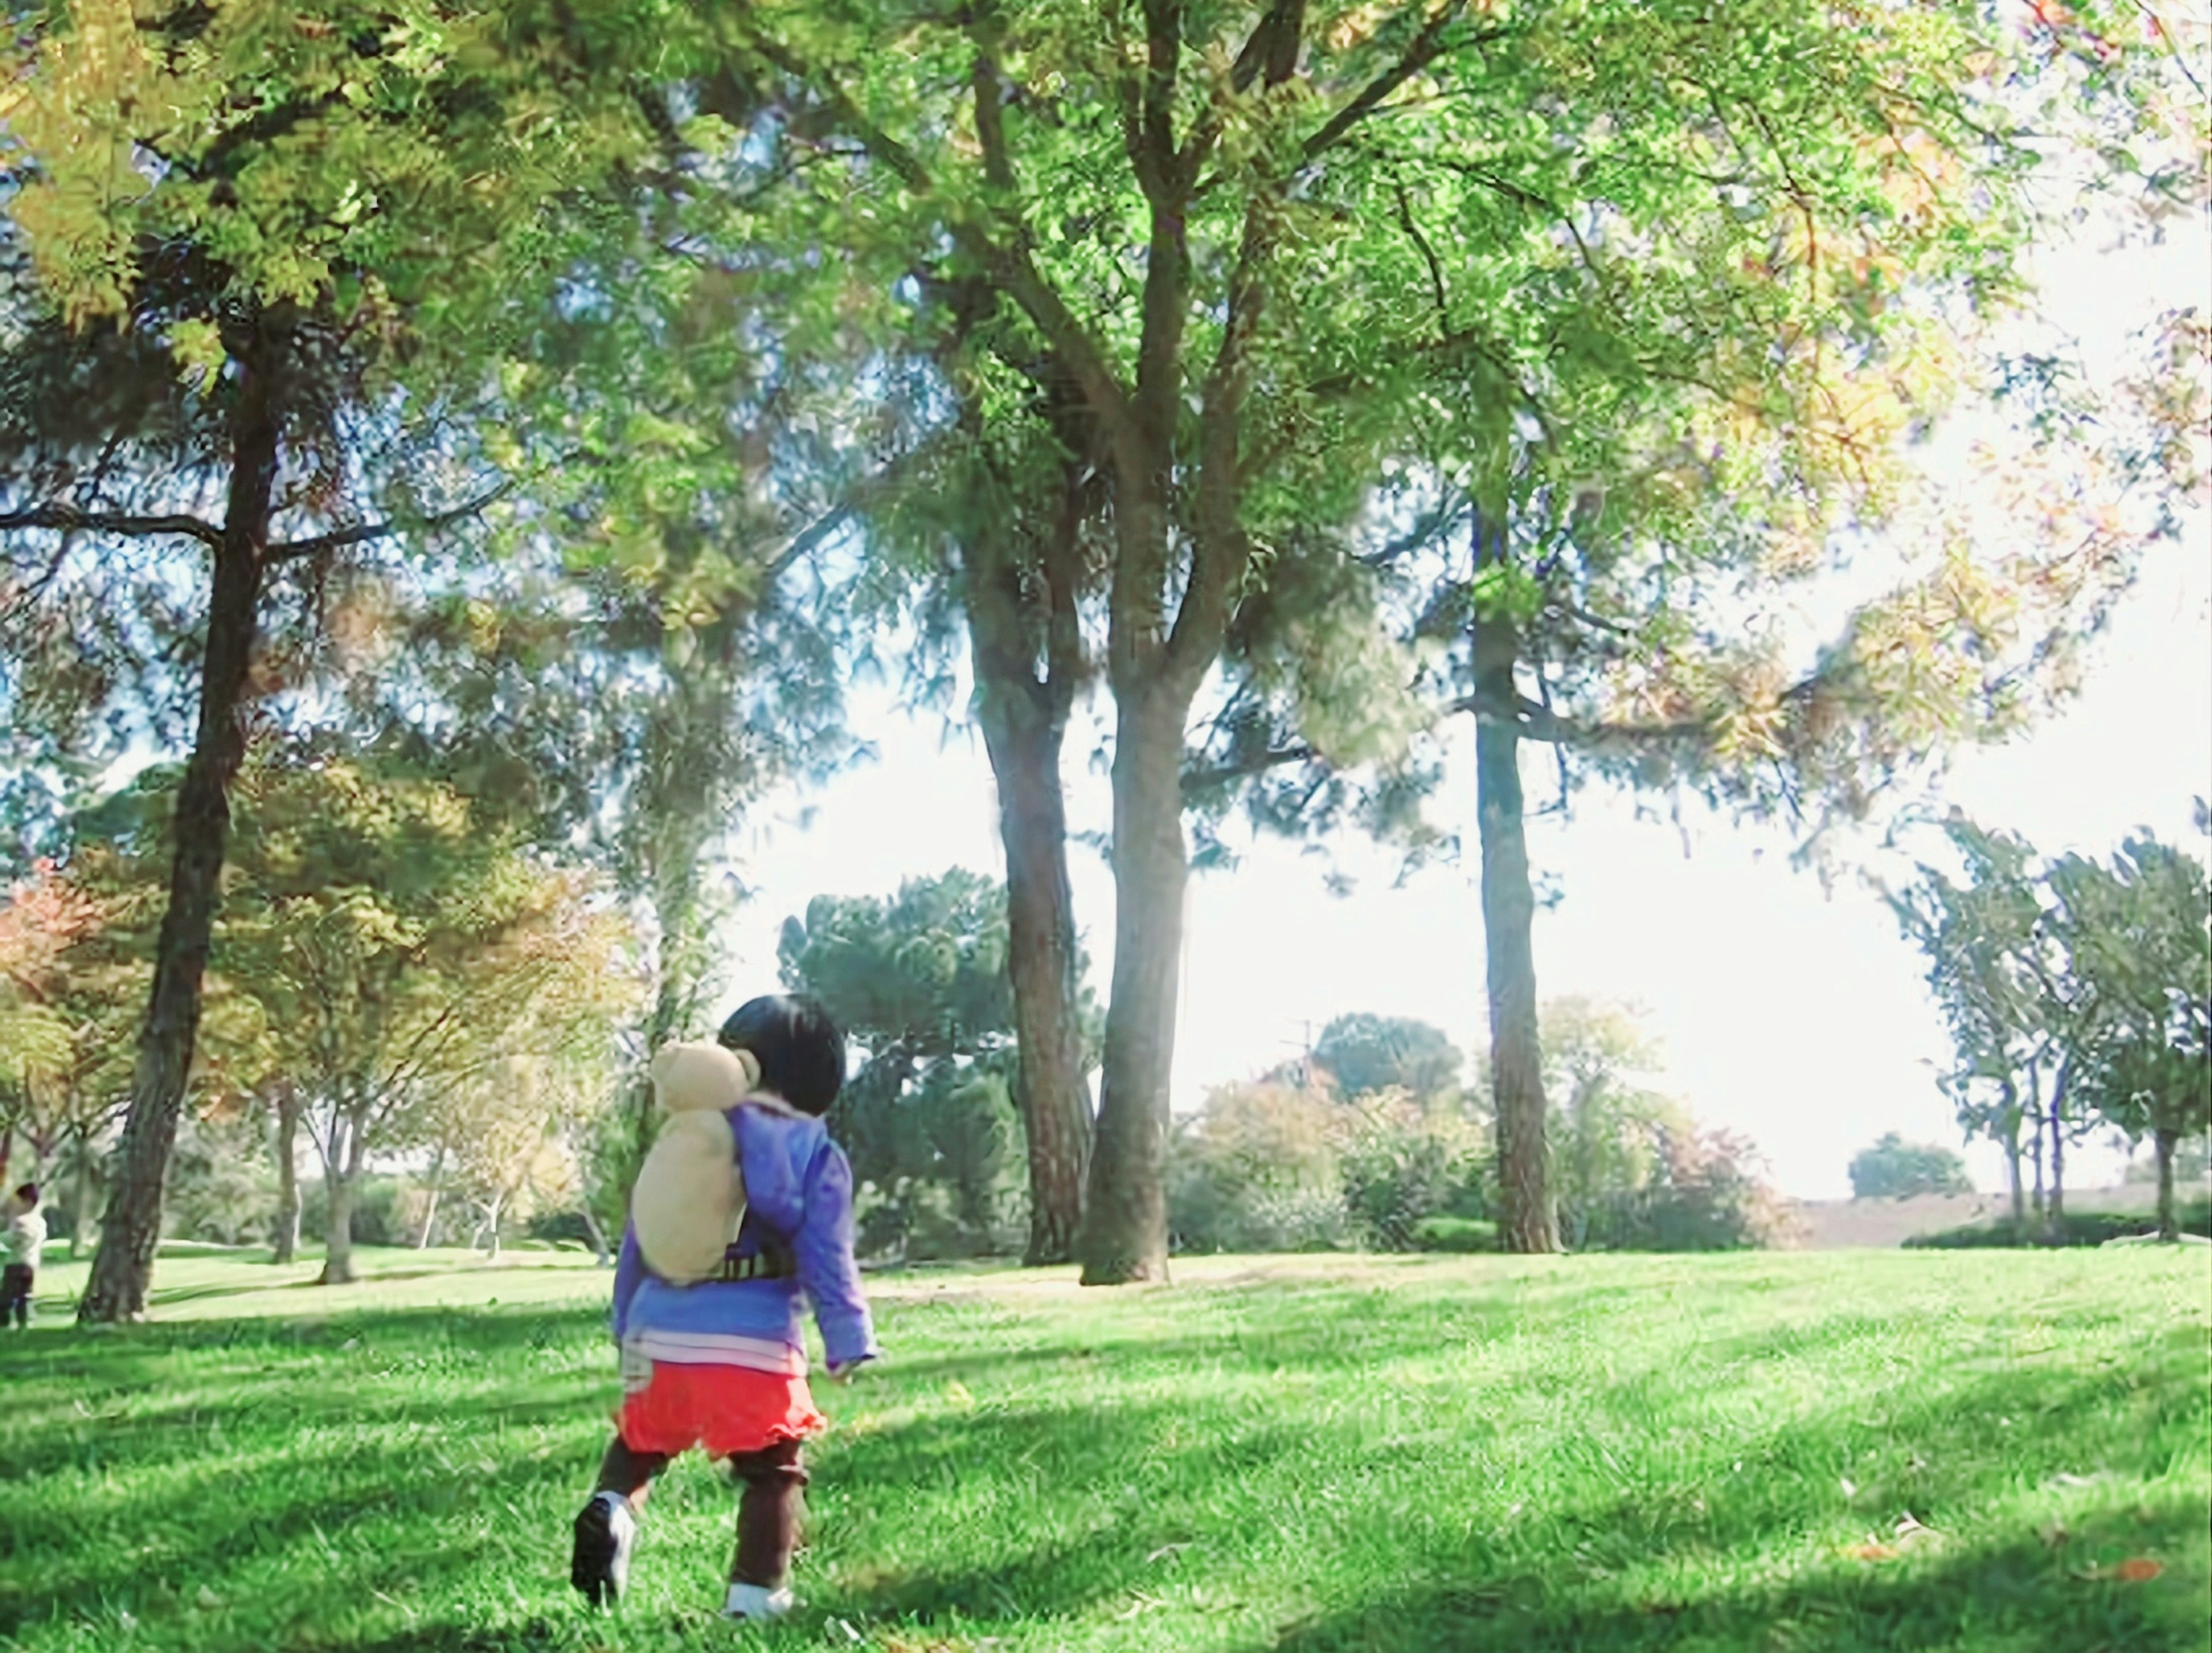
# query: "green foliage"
919,983
1400,1456
1460,1234
2137,936
1403,1162
2076,1228
1366,1053
1893,1169
1707,1194
1257,1170
385,1210
2101,970
222,1185
1607,1128
1277,1167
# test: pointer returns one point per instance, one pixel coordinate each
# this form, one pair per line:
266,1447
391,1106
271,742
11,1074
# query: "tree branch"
1535,721
1198,781
1426,47
68,519
293,551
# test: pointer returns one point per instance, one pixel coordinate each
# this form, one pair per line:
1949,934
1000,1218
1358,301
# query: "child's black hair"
29,1194
801,1051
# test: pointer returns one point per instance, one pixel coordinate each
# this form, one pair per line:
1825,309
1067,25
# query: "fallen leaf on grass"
1870,1552
2136,1570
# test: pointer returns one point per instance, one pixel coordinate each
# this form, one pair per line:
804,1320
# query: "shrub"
1401,1164
221,1185
1256,1170
1455,1234
2077,1227
1708,1196
1895,1168
379,1211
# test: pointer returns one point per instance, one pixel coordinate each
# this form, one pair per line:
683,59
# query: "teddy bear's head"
694,1078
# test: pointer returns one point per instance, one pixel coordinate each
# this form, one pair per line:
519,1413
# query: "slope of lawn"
1774,1453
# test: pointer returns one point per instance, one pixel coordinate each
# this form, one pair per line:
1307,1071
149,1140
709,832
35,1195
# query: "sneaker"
607,1528
757,1601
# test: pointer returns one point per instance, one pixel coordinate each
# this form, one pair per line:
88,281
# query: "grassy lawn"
1293,1455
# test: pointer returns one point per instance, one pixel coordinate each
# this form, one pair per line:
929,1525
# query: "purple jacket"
799,1194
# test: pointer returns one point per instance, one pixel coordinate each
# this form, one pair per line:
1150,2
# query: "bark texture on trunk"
2165,1142
2013,1177
430,1209
131,1229
1024,718
81,1200
286,1248
337,1238
602,1253
1125,1233
1528,1221
1516,1060
2054,1209
1054,1091
342,1178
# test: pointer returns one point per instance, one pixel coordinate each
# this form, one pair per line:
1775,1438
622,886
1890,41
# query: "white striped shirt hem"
720,1349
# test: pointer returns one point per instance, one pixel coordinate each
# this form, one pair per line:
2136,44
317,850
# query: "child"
720,1364
25,1239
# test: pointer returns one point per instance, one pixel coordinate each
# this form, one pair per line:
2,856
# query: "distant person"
713,1357
26,1238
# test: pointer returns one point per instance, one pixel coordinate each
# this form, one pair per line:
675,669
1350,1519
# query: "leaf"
1870,1552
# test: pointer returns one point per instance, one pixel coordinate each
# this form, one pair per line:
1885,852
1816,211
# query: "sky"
1792,1013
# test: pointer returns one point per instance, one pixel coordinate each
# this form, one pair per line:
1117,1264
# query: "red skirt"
725,1409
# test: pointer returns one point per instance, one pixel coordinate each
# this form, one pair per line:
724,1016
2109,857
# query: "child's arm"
629,1273
827,1270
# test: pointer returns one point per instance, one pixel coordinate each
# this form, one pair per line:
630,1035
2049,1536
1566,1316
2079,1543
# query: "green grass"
1293,1455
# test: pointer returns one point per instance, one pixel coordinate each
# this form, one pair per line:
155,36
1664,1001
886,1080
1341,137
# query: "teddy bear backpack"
690,1193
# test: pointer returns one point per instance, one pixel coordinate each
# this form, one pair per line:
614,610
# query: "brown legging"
771,1504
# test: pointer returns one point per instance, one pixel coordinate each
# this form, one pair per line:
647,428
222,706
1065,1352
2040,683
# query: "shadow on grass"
2018,1595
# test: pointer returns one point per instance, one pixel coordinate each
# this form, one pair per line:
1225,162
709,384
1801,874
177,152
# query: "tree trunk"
81,1202
602,1253
1023,741
2165,1142
287,1247
2054,1210
491,1222
430,1212
1528,1222
2011,1142
341,1178
1125,1232
337,1238
123,1268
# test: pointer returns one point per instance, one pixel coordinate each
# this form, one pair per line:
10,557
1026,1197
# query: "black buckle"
770,1263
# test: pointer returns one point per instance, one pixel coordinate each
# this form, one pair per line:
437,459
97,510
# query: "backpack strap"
771,1262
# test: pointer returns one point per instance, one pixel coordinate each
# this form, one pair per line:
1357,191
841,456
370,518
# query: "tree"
407,961
1364,1052
920,983
72,978
2137,936
306,214
1608,1129
505,1128
998,529
1893,1169
1988,957
1283,259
